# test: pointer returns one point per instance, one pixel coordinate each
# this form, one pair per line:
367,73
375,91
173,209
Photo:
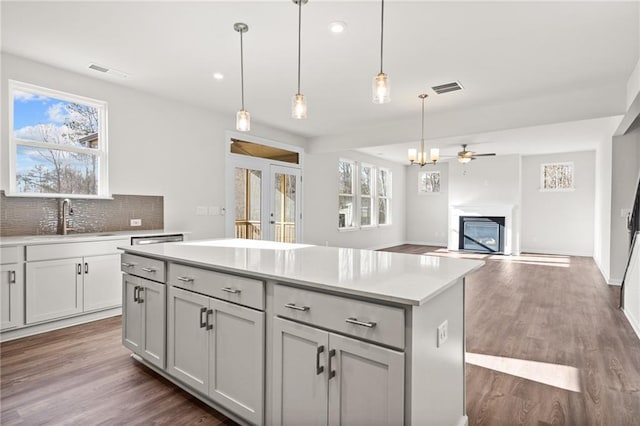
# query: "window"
364,195
58,143
346,188
384,196
429,182
556,177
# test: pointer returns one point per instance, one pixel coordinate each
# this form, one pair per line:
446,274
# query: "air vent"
447,87
106,70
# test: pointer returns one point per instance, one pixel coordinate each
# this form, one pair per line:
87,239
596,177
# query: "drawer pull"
296,307
151,270
185,279
128,265
362,323
231,290
319,368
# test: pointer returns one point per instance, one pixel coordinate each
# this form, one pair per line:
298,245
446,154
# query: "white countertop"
394,277
29,240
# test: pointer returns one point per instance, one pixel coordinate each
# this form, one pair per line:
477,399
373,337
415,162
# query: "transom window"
556,177
58,143
364,195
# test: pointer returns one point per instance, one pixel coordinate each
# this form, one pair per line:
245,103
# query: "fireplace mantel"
506,210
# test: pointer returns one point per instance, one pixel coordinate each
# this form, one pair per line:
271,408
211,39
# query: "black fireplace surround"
484,234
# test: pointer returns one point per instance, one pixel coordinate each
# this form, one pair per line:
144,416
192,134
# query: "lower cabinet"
143,325
11,296
322,378
217,348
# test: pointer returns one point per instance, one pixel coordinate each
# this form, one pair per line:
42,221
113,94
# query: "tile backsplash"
41,216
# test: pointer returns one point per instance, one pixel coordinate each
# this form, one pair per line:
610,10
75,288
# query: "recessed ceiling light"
218,75
337,27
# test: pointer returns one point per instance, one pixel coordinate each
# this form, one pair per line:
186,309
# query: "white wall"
427,214
602,213
558,222
156,146
320,180
632,289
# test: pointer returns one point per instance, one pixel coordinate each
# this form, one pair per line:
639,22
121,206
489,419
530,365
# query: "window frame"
371,197
388,197
354,182
101,152
557,163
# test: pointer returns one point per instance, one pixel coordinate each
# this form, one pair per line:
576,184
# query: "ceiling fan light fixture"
464,160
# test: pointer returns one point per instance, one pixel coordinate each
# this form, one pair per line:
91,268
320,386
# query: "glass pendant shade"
412,154
435,155
299,107
243,121
464,160
381,89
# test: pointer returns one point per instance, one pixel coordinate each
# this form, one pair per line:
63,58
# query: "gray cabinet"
143,323
101,282
217,348
53,289
11,296
324,378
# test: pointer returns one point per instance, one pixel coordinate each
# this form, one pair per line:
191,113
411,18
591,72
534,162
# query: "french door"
264,202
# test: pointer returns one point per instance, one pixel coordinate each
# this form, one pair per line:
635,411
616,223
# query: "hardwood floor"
546,345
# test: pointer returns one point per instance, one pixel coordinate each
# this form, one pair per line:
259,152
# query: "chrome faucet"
66,207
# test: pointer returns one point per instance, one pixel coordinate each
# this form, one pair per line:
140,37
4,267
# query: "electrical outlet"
135,222
443,333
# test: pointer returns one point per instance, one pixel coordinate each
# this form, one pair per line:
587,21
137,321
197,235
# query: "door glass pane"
248,196
284,192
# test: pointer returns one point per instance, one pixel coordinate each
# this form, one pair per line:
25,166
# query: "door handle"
12,277
140,290
209,315
319,368
135,293
332,373
355,321
86,267
203,321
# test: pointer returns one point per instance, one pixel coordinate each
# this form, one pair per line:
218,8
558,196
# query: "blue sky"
29,112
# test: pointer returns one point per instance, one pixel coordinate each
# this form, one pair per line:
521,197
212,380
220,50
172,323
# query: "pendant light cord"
422,160
299,39
242,70
381,35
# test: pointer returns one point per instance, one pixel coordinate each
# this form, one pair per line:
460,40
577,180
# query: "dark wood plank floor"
552,313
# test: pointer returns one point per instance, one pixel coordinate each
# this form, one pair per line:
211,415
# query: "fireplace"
482,234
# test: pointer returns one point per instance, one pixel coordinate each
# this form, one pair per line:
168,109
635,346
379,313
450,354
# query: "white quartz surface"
395,277
24,240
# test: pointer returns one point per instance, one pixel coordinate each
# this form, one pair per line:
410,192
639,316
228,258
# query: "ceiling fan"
465,156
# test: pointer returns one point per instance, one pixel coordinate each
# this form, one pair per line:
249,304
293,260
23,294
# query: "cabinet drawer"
66,250
240,290
10,254
371,321
144,267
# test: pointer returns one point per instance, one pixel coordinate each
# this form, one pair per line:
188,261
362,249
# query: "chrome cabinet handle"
355,321
231,290
209,315
150,270
203,321
135,293
332,373
185,279
296,307
141,290
128,265
12,277
319,368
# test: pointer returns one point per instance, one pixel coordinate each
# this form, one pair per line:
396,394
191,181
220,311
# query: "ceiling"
499,51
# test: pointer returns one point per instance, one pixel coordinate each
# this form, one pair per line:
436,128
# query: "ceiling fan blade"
489,154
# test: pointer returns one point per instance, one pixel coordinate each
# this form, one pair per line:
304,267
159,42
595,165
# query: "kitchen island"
272,333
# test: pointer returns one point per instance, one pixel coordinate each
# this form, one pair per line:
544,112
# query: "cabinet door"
131,313
236,359
300,391
188,344
102,288
153,302
54,289
11,296
368,385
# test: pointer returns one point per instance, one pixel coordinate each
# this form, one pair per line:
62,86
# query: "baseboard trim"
380,247
634,324
428,243
614,281
30,330
556,253
464,421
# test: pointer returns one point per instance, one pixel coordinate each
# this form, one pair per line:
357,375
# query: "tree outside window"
346,199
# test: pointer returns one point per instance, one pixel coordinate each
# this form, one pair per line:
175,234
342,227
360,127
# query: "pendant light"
419,158
243,118
381,87
299,103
